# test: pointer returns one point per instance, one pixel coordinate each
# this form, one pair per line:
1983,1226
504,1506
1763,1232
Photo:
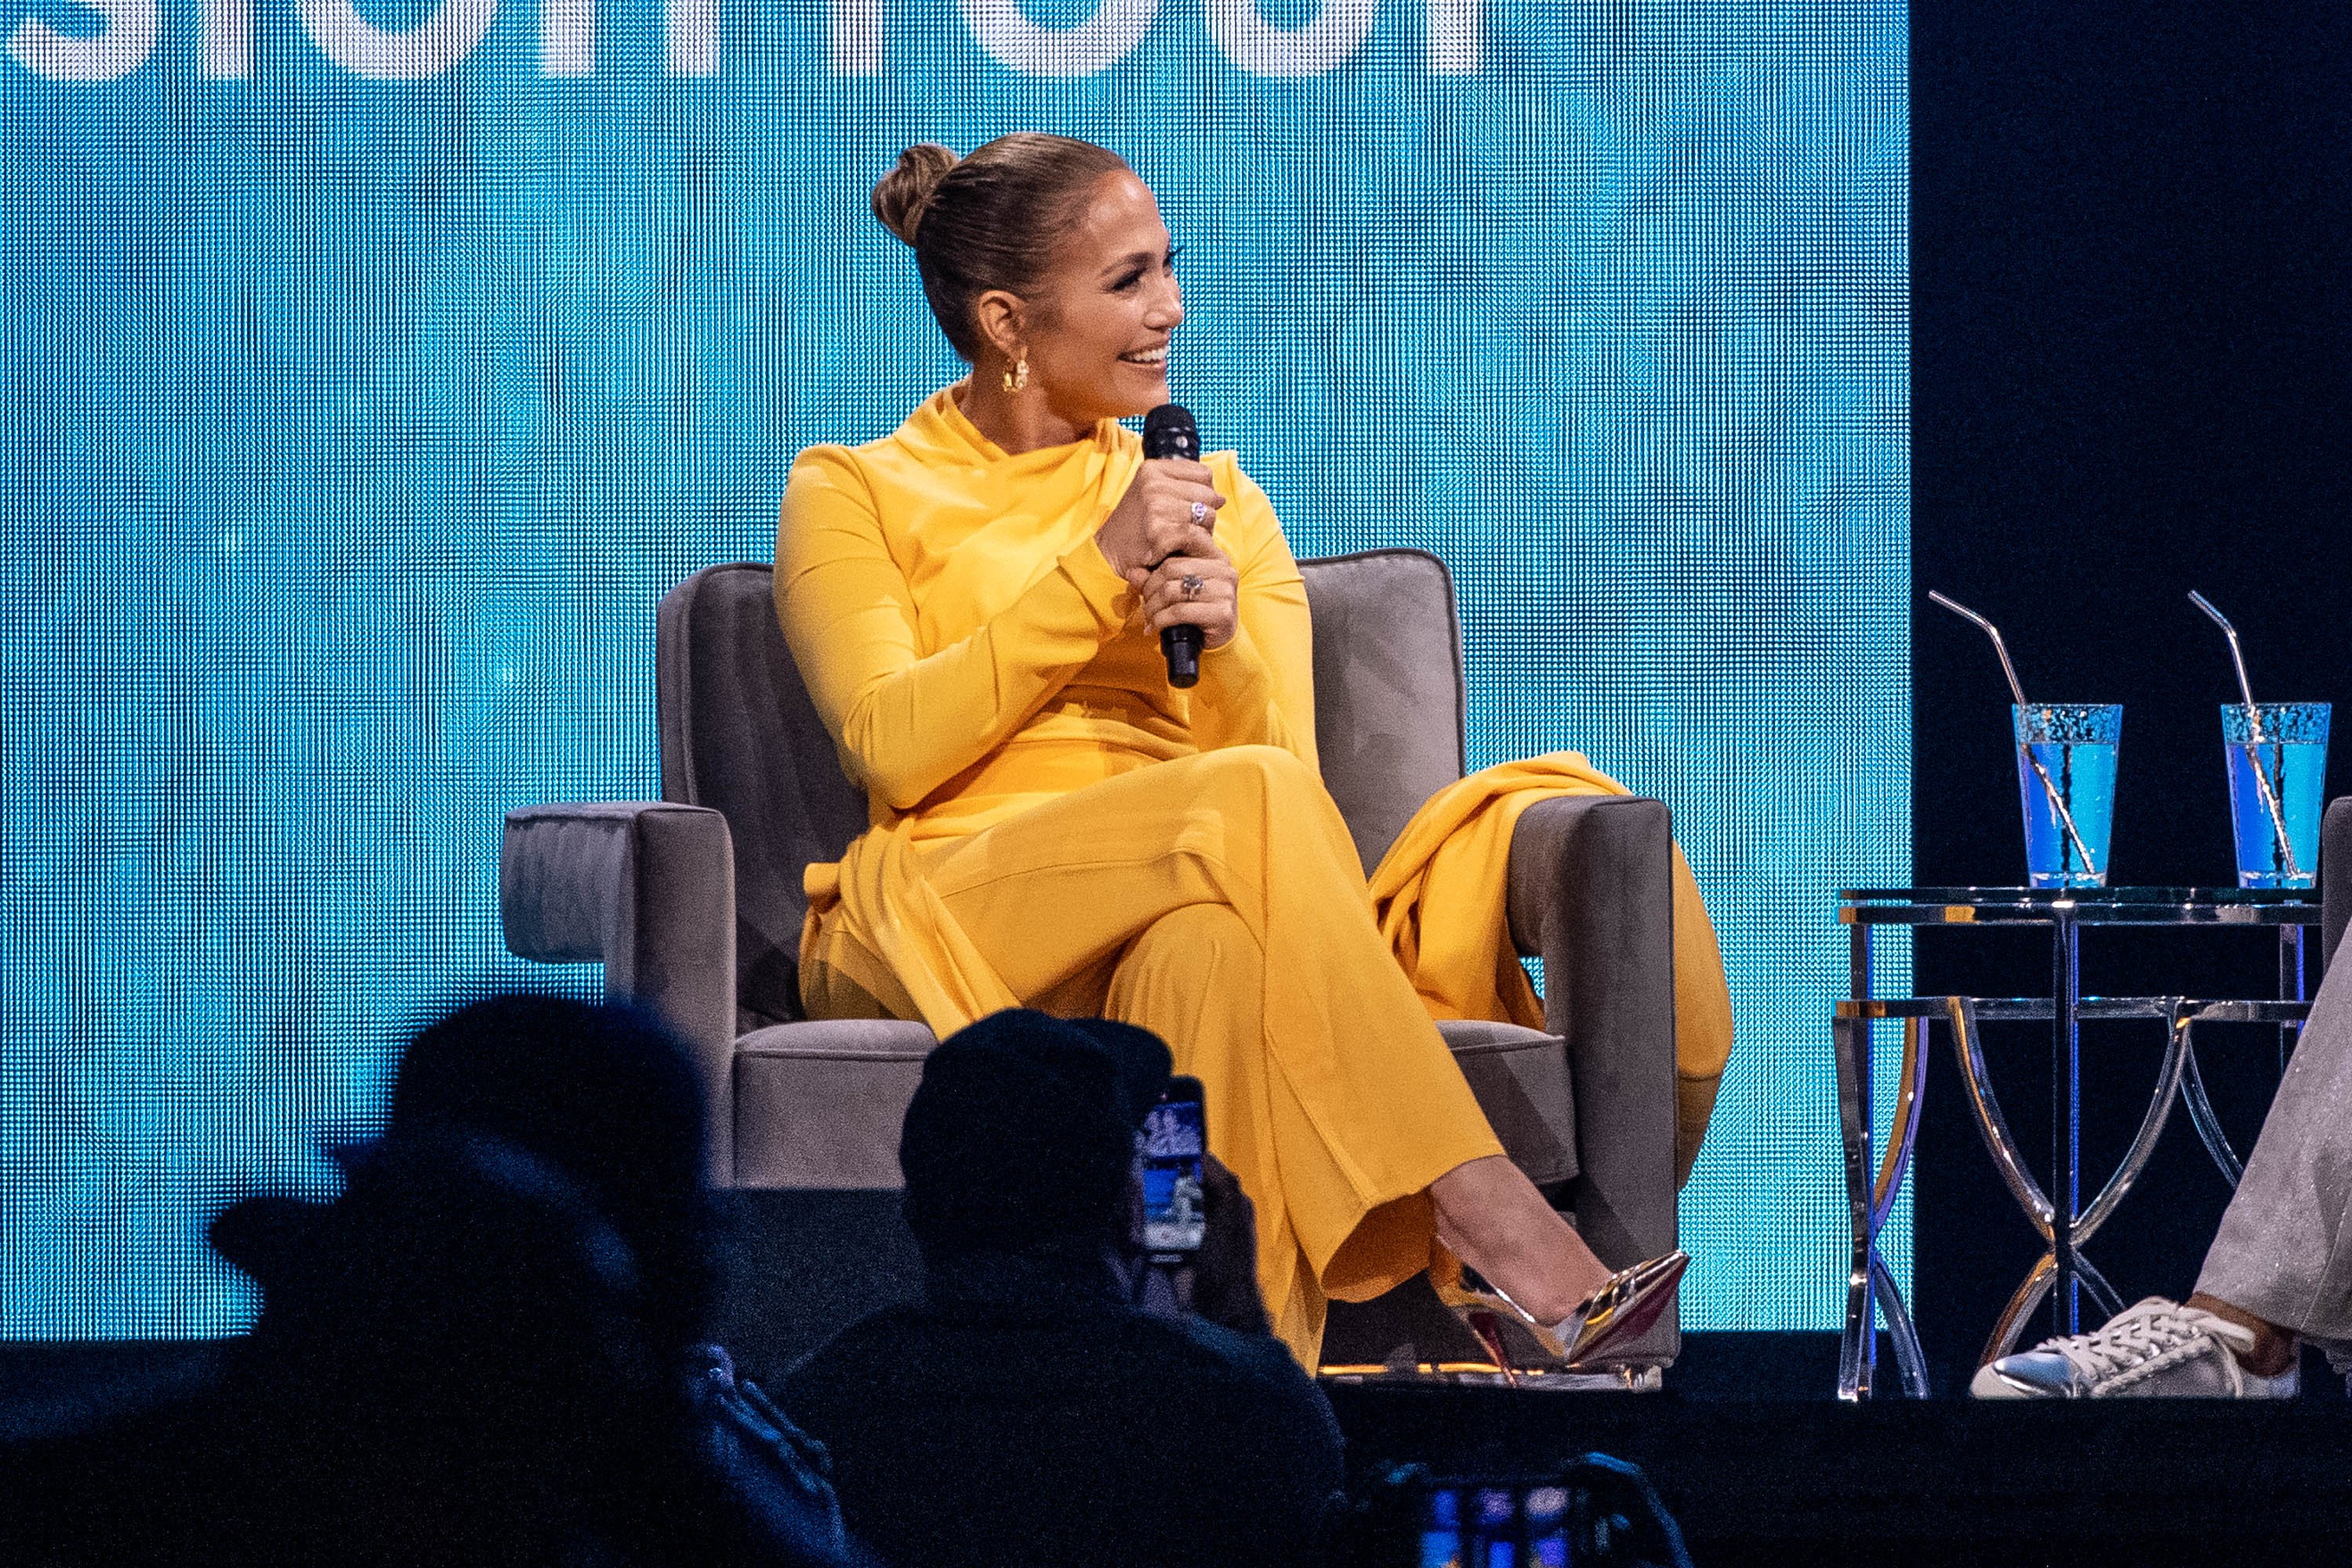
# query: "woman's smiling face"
1098,328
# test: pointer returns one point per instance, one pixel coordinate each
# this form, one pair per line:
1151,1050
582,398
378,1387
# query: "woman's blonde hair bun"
901,195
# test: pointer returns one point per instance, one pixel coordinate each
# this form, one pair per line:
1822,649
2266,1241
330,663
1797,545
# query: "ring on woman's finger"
1200,512
1192,586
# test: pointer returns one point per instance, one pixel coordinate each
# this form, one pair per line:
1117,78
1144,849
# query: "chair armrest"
647,888
2334,882
1591,894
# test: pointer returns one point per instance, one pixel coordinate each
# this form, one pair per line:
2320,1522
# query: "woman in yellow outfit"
975,604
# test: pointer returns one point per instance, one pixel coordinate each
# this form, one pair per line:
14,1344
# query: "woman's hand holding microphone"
1162,538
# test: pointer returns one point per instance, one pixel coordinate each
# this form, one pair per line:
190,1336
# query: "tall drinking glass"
2277,785
2066,781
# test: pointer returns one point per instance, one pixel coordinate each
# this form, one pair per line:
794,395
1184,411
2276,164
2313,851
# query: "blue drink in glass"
2276,784
2066,782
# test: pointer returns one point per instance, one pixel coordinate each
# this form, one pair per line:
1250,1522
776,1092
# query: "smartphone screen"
1469,1526
1175,1138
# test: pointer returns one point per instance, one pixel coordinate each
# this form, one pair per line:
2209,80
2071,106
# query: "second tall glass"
2276,792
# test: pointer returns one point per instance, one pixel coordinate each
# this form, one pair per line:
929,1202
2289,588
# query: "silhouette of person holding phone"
1028,1410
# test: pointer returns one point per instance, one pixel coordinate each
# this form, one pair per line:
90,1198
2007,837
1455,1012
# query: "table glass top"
2151,895
2082,906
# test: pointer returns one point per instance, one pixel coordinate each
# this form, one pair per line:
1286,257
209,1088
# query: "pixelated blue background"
354,428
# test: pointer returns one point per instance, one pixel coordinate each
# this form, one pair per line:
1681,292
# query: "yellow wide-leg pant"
1217,900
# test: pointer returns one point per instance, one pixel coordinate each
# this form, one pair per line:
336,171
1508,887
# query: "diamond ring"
1192,587
1200,512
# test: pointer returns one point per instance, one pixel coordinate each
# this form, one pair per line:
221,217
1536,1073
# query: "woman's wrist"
1110,558
1233,665
1098,581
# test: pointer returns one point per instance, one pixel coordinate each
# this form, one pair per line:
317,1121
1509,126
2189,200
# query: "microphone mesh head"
1169,431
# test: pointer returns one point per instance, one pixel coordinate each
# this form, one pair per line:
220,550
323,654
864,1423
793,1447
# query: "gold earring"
1017,377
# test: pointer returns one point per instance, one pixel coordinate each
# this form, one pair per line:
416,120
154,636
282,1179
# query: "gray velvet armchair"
694,906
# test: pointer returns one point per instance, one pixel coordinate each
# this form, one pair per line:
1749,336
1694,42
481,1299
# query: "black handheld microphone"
1169,431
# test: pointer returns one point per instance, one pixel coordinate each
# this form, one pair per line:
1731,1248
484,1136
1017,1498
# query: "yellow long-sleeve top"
971,650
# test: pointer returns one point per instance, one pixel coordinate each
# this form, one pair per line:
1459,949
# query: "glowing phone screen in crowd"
1174,1138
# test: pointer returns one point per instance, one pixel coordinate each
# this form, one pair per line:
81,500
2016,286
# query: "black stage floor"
1752,1480
1747,1446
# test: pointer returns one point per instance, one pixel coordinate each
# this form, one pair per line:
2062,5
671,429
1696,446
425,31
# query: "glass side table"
2058,1215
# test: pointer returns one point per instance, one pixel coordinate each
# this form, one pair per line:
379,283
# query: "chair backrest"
1391,707
739,733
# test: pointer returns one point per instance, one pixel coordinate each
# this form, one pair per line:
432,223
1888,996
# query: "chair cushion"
818,1105
1520,1079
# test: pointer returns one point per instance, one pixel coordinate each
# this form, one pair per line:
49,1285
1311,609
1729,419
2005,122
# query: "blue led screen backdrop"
373,365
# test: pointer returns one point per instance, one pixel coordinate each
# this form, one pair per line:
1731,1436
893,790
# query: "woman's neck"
1016,424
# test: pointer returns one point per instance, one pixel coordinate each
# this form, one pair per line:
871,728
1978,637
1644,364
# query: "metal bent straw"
2017,690
2253,732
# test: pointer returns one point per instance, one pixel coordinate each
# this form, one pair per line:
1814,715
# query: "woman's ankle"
1492,1218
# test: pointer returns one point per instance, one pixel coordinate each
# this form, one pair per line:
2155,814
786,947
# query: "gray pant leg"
2285,1249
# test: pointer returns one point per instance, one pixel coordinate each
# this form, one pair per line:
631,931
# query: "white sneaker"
2158,1349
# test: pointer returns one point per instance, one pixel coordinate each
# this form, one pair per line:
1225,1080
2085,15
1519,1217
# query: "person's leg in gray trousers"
2284,1253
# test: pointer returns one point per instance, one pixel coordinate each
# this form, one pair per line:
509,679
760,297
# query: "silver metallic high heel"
1617,1313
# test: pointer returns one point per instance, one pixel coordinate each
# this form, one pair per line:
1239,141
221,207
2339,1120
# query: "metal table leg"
2292,987
2065,1114
2038,1210
1857,1348
1902,1138
1849,1037
1871,1288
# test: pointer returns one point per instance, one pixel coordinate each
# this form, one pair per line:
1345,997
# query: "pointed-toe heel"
1614,1316
1623,1310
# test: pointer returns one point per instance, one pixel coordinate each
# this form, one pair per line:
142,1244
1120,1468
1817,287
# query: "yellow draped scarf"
1442,892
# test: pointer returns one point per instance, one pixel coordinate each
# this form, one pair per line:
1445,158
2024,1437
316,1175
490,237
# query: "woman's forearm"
1259,689
1235,705
907,728
906,721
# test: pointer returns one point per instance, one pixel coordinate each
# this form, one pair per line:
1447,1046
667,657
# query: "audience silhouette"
487,1350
